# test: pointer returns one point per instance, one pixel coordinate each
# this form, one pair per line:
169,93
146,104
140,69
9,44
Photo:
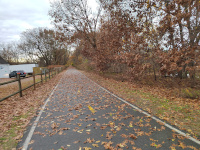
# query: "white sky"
18,15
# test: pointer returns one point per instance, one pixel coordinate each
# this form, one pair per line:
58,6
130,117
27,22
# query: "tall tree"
180,25
76,16
41,43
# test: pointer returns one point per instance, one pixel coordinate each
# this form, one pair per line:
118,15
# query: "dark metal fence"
43,78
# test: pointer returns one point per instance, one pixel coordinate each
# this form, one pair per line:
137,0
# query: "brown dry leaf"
172,148
79,124
153,140
153,144
89,140
111,124
108,135
131,142
133,136
158,146
135,148
31,142
120,145
182,145
108,145
103,127
162,128
54,125
148,134
98,124
87,148
75,142
123,144
140,133
124,135
192,147
56,142
97,141
65,128
95,145
118,128
122,124
60,133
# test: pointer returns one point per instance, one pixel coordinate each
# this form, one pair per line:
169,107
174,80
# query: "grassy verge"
11,136
181,112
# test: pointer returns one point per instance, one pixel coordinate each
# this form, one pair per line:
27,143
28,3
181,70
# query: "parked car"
14,73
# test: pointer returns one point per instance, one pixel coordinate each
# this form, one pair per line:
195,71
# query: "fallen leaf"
87,148
95,145
75,142
133,136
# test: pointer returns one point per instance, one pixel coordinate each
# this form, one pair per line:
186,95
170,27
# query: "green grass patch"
2,139
8,141
22,116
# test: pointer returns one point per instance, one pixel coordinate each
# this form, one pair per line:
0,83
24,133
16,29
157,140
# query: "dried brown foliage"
141,38
16,112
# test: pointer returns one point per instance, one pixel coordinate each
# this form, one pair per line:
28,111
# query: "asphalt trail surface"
81,115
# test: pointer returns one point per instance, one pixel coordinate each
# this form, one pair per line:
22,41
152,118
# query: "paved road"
81,115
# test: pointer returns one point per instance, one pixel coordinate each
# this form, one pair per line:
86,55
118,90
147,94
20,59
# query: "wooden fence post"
41,77
34,80
49,73
45,75
20,85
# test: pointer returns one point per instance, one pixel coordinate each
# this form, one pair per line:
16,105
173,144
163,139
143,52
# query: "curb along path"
82,115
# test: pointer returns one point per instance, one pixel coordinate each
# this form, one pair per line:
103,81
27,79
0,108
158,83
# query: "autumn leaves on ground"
159,101
16,112
82,115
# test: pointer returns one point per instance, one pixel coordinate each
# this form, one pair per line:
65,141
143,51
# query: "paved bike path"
82,115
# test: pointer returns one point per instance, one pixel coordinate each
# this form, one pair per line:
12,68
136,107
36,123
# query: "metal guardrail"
50,72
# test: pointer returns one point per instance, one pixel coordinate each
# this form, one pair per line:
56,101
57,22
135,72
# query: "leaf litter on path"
106,124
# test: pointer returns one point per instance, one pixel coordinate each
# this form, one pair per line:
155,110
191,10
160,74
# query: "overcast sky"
18,15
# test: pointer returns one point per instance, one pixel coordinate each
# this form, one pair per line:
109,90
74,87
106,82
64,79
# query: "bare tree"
10,52
72,16
41,44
